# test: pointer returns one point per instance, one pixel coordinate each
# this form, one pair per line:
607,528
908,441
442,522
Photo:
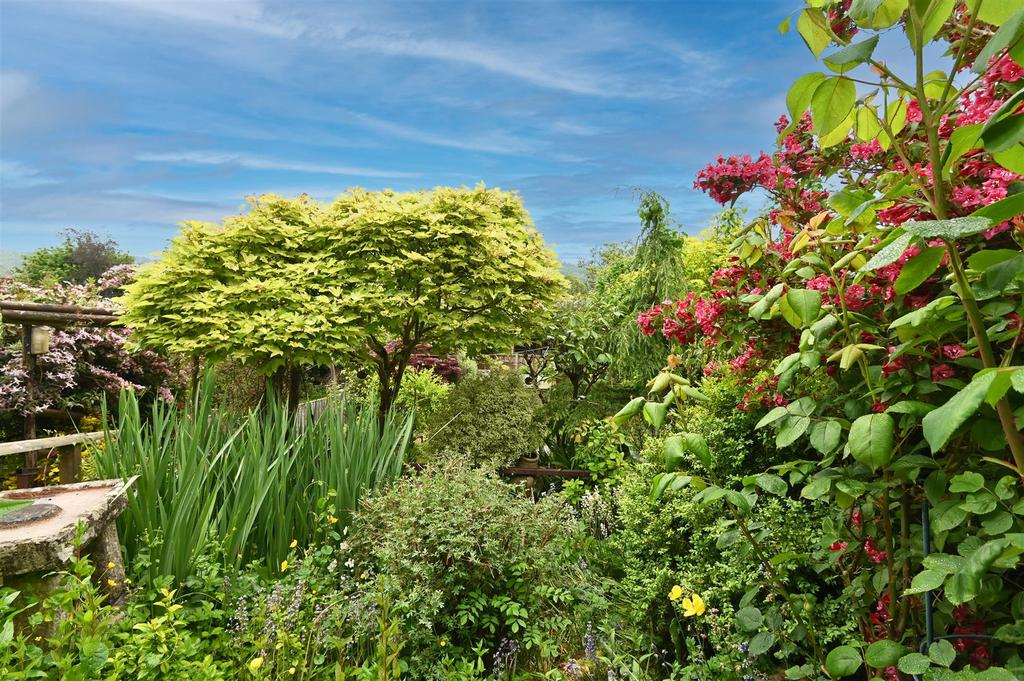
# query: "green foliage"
371,277
82,256
679,539
489,418
246,481
422,392
467,559
736,447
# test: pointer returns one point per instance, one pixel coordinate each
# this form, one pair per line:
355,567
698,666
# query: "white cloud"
224,158
246,15
14,174
496,142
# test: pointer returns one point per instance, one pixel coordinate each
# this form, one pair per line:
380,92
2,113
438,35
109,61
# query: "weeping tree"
366,279
632,279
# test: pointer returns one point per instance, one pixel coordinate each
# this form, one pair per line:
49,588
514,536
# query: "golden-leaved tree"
367,278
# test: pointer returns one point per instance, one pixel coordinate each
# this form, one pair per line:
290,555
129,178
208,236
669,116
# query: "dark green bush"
489,418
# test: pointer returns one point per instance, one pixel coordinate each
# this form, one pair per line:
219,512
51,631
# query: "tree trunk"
294,386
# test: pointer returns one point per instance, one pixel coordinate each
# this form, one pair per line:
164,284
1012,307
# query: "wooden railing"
68,447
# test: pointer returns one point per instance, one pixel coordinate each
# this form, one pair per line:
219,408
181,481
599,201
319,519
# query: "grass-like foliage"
249,482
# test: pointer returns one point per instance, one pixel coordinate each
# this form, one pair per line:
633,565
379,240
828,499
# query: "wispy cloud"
224,158
533,68
15,174
496,141
245,15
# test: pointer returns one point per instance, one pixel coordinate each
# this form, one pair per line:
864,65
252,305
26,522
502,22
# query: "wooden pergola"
30,317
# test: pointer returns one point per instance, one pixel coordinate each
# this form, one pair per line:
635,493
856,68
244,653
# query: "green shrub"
490,418
737,448
673,540
467,560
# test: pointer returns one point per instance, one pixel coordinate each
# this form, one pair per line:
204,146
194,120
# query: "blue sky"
127,117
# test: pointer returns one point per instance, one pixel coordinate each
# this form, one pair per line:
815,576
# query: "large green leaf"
1005,130
631,409
884,653
952,229
814,29
854,53
940,424
655,413
914,663
877,14
926,580
938,13
832,103
805,303
997,277
762,307
825,436
1000,211
798,99
965,584
791,430
871,439
918,268
842,661
890,250
674,451
995,12
960,142
942,653
749,618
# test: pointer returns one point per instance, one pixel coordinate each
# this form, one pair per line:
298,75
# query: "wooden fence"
68,448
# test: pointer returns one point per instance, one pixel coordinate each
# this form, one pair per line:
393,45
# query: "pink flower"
865,152
876,555
953,351
942,372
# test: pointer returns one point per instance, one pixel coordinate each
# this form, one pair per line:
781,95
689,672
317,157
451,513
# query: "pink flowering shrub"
84,363
881,288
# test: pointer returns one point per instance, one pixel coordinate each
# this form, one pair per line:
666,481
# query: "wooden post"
28,474
70,464
28,360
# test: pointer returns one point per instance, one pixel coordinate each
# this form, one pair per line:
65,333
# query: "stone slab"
48,543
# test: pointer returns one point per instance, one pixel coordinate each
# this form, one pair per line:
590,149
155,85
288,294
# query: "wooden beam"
49,443
55,318
53,307
515,471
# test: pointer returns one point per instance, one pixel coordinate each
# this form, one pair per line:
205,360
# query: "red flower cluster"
942,372
969,623
874,553
729,178
764,393
683,319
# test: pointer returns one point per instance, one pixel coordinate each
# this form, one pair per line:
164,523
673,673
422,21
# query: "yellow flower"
291,670
442,643
255,663
676,593
111,582
284,565
693,607
331,519
295,542
110,565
